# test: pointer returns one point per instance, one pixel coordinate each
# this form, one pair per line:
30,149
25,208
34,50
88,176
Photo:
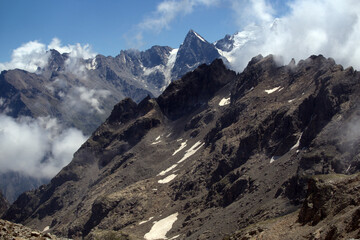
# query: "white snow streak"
167,170
272,90
140,223
191,151
272,160
201,38
291,100
297,143
154,143
182,146
161,228
167,179
224,101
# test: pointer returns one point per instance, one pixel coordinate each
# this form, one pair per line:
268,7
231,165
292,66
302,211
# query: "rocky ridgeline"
215,153
13,231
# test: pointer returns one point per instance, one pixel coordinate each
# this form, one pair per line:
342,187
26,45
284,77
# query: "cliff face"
216,152
4,204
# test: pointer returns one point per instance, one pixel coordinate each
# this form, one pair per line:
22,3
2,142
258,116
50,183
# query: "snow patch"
274,158
46,228
169,66
182,146
154,143
297,143
200,37
175,237
167,179
291,100
140,223
157,138
272,90
224,101
167,170
191,151
92,65
161,228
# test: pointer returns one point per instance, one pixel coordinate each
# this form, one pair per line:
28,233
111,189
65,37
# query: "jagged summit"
194,51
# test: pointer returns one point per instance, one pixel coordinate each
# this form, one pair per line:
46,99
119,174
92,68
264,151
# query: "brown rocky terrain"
13,231
215,153
331,210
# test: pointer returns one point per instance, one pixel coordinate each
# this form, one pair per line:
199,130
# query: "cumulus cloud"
36,147
33,55
80,98
29,56
331,28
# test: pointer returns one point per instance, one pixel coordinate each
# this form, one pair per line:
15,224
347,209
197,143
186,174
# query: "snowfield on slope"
161,228
224,101
191,151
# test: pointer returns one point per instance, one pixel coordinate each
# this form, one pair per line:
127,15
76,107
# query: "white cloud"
80,98
33,55
28,56
36,147
331,28
76,51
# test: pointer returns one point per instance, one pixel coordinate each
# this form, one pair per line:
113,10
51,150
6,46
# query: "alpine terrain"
216,156
80,93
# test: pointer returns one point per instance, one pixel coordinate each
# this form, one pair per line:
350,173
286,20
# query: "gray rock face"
4,204
241,154
194,51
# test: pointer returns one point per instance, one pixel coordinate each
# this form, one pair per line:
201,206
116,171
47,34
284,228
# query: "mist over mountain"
48,111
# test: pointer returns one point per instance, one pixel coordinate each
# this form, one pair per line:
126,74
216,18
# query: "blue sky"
109,26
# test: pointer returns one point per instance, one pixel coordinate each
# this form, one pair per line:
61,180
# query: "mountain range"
80,93
215,156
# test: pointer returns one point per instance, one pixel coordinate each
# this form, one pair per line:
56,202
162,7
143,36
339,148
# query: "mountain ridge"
241,156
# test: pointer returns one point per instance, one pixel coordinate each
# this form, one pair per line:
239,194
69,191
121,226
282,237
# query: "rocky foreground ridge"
331,210
13,231
215,153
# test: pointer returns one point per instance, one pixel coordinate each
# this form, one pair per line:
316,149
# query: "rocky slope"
331,210
216,152
11,231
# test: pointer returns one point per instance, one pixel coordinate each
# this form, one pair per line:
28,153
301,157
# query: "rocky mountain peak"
226,44
194,51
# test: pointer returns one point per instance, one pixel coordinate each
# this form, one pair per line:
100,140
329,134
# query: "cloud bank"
327,27
36,147
33,55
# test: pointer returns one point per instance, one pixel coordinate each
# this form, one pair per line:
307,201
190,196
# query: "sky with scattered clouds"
110,26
